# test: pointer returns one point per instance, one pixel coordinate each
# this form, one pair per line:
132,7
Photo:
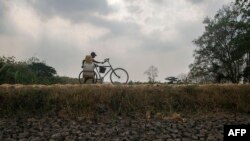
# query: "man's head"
93,55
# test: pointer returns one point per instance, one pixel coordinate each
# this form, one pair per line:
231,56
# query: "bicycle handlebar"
106,60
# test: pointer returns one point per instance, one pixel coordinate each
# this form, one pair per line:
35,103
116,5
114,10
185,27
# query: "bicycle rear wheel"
82,79
119,76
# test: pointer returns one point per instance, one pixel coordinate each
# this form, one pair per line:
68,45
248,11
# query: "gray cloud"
3,25
196,1
166,1
2,9
75,10
156,45
134,9
6,27
160,2
117,28
132,30
81,10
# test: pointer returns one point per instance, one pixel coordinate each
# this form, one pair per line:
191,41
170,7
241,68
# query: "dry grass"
89,100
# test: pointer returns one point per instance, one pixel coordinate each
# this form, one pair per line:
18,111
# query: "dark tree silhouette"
42,70
223,49
171,80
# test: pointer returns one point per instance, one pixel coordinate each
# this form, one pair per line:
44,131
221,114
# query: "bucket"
102,69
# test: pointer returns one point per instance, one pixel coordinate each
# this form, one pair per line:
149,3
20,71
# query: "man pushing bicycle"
88,65
91,71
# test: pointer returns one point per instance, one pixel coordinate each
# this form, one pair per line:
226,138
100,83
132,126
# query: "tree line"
32,71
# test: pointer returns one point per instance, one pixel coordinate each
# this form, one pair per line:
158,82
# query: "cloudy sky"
134,34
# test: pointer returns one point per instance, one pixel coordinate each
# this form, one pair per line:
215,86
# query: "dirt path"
125,129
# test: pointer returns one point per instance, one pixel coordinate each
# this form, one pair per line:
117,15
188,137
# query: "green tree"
30,72
244,40
42,70
44,73
15,72
219,54
171,80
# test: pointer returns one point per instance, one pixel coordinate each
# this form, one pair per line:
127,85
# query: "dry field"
121,113
128,100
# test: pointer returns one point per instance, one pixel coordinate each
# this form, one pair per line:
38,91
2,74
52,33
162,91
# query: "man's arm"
96,61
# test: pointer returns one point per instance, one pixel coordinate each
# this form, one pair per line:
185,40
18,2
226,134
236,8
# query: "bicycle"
117,75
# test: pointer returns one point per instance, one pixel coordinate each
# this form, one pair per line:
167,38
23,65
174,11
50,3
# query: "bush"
30,72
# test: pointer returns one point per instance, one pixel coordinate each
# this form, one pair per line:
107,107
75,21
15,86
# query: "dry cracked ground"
53,128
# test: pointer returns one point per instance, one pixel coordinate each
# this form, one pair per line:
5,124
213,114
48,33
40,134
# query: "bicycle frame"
105,74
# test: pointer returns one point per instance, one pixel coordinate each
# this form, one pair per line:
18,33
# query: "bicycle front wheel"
119,76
